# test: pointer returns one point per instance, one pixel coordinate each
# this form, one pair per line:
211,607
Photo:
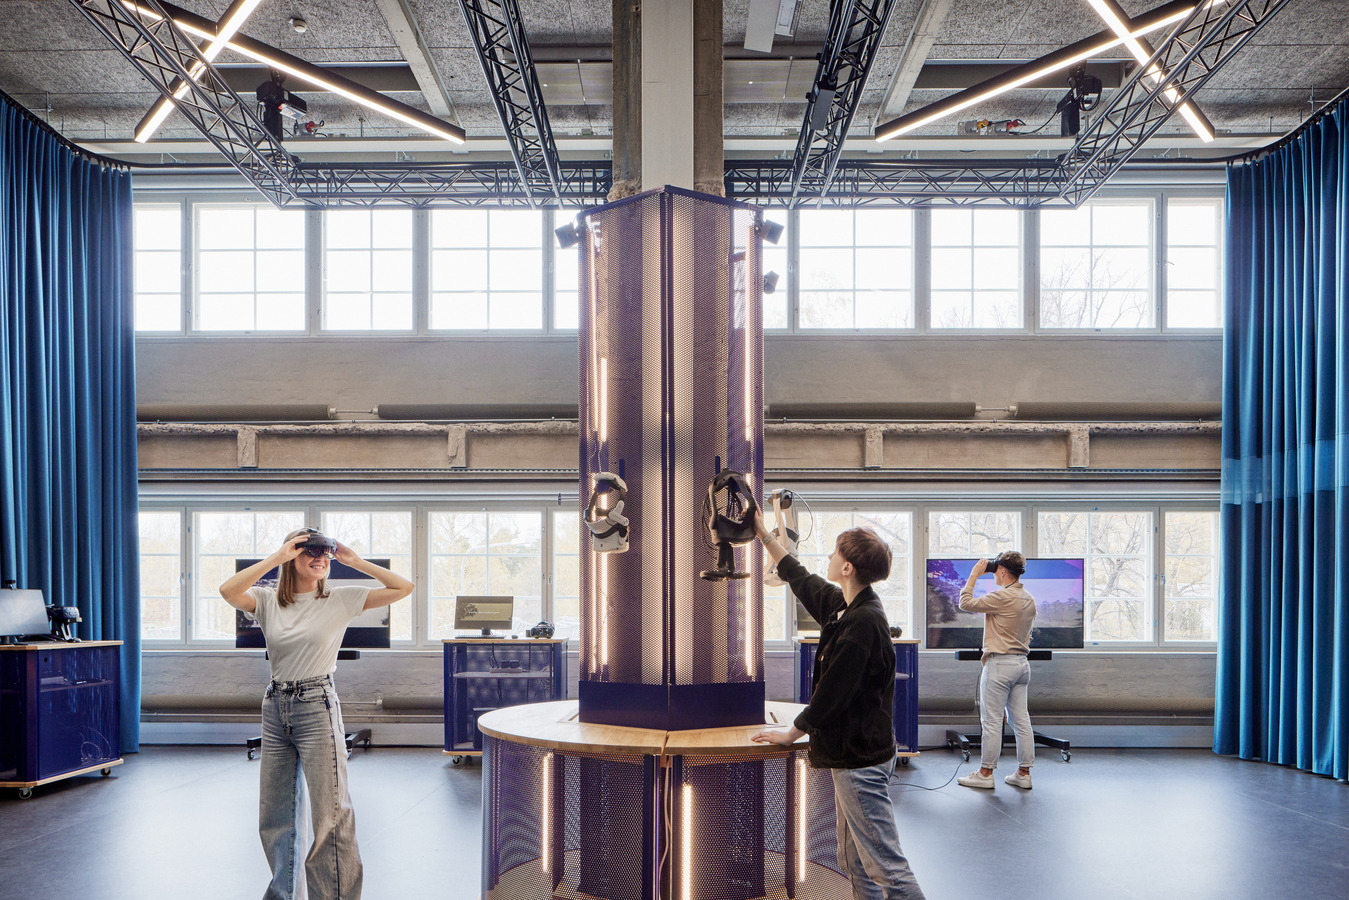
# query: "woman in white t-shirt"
303,745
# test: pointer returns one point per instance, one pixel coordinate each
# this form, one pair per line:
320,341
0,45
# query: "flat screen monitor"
368,631
23,613
485,614
1056,584
805,622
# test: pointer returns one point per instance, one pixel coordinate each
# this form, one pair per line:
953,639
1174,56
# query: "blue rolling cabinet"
486,674
906,689
60,712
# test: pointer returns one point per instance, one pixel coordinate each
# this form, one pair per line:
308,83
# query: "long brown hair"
285,587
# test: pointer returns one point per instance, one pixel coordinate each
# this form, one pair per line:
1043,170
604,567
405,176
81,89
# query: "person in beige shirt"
1009,614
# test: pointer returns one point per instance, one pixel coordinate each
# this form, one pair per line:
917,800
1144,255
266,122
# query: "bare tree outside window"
896,592
1191,586
1096,266
221,538
379,535
1117,549
981,535
494,553
161,567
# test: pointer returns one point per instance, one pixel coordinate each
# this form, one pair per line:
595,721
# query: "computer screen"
484,614
23,612
805,623
368,631
1056,584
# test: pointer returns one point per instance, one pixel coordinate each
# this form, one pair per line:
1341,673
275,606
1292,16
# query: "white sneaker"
1016,779
976,780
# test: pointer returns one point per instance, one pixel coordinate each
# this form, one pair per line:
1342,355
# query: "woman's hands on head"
345,555
290,549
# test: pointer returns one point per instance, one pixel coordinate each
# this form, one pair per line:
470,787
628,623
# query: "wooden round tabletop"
557,726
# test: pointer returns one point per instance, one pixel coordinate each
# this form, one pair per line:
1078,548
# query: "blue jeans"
1004,685
868,842
304,747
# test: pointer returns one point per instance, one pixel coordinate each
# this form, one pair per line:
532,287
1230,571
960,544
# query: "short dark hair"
1013,562
870,556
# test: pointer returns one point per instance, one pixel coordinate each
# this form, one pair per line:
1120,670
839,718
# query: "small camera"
541,630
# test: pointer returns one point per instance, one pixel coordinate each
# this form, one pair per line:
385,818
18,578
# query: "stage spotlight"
770,282
770,231
568,235
1084,94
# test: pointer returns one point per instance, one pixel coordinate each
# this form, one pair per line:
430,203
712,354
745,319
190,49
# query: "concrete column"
627,74
667,94
709,169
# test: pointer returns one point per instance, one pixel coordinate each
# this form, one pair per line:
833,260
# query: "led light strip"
1110,11
294,66
229,26
1071,56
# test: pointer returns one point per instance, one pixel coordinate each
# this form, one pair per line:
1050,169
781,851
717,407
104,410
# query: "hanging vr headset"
784,529
730,524
608,527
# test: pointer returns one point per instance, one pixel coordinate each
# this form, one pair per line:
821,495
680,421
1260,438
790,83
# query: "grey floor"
180,822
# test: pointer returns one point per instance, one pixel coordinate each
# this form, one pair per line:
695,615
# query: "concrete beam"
409,37
926,26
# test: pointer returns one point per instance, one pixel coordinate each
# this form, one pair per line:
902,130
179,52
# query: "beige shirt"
1009,613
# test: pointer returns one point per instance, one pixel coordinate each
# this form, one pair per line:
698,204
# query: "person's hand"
761,527
980,567
345,555
290,549
781,738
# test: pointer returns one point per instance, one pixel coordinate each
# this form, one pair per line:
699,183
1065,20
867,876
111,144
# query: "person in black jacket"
849,717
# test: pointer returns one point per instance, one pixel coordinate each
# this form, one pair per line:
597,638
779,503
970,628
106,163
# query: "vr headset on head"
317,545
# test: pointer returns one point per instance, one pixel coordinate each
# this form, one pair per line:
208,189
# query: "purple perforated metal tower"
671,360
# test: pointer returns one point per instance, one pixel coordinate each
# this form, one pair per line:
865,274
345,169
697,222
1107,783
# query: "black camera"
541,630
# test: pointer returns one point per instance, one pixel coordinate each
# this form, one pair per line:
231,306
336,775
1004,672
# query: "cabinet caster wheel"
25,793
904,762
1067,757
965,755
105,772
456,760
250,754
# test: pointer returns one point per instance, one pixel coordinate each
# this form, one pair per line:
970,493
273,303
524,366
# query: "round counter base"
596,812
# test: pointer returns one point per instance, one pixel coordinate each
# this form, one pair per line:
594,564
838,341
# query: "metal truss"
499,37
908,182
1188,57
450,184
855,30
164,55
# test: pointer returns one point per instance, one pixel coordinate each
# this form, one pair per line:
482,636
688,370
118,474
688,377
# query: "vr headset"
317,545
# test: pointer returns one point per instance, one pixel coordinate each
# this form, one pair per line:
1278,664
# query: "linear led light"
1055,62
1115,17
227,28
294,66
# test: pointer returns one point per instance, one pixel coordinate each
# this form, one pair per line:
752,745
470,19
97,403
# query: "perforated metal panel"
671,376
559,825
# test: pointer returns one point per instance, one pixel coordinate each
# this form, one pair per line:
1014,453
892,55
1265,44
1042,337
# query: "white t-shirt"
303,638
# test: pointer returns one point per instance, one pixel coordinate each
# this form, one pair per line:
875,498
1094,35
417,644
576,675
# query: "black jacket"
850,717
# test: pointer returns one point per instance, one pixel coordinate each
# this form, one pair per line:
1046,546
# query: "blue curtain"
67,388
1283,623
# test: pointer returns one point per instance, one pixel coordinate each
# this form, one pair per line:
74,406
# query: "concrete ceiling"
60,67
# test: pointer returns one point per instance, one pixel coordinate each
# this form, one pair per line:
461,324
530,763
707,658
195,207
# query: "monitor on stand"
484,614
22,614
806,626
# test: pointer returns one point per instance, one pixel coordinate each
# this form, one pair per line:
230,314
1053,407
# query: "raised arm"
235,590
396,587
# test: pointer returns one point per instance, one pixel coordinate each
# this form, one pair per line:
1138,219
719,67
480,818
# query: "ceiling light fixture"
193,24
1020,76
1142,51
228,27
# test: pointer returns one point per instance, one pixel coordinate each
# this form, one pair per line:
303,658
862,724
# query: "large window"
566,580
221,539
777,260
856,269
250,272
367,270
976,268
159,267
161,566
1096,266
379,535
1194,263
975,534
1117,547
485,553
487,269
1190,576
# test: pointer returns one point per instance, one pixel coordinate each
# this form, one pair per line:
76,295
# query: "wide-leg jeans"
304,751
868,841
1004,685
